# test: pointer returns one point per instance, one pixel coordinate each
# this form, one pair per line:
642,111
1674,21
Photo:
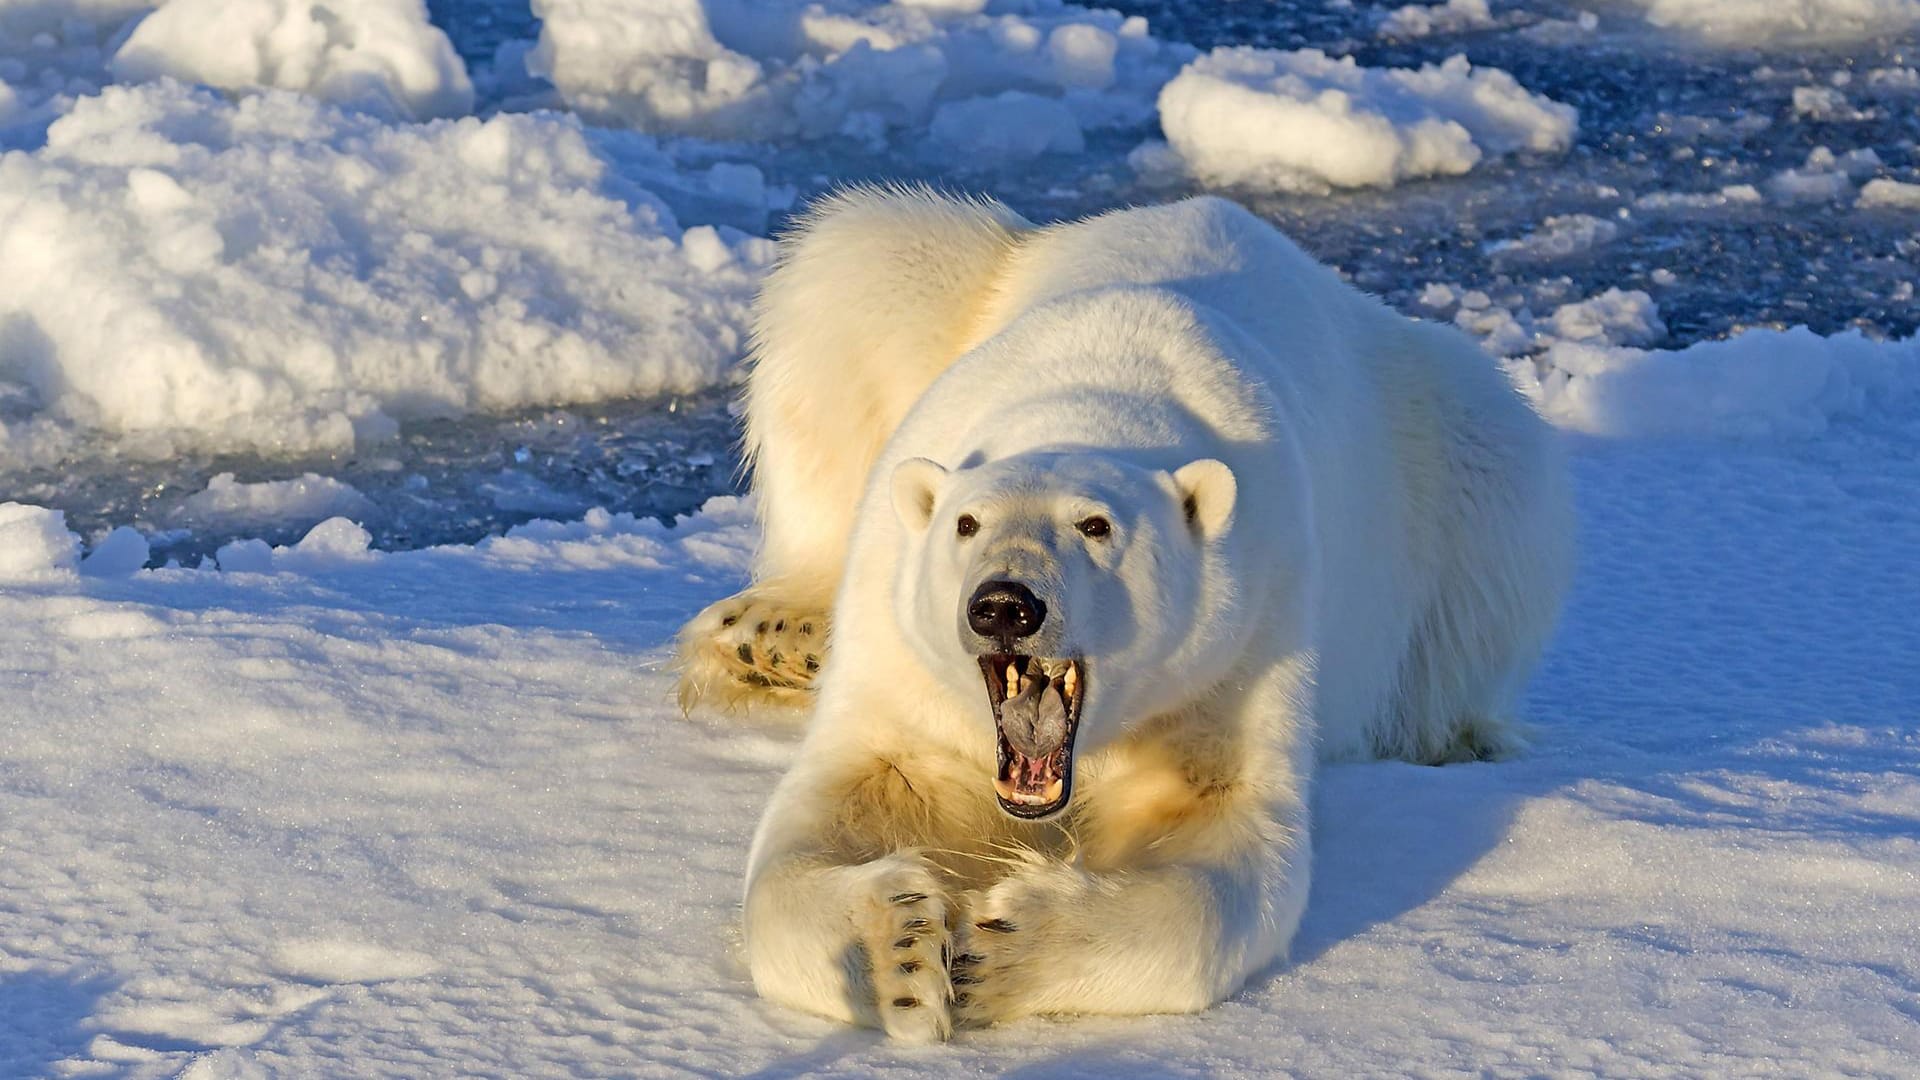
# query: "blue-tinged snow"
382,777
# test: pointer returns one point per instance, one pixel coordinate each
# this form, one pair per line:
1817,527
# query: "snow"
1778,22
280,274
381,55
1304,121
793,70
444,819
34,542
1763,384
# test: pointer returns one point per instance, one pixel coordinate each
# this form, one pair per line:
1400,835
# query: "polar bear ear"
915,483
1207,489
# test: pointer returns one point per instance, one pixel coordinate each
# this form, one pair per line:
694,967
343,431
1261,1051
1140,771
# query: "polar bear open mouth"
1036,709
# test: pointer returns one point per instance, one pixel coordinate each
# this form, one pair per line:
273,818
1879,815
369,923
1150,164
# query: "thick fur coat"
1263,518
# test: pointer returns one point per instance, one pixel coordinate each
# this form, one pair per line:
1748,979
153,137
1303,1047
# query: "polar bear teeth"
1036,709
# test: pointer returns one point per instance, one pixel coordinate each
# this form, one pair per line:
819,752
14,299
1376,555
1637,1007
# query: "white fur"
1334,529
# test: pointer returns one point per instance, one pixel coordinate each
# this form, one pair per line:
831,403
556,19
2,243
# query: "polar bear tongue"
1036,728
1035,722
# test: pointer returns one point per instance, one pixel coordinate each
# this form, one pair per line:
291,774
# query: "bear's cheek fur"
928,607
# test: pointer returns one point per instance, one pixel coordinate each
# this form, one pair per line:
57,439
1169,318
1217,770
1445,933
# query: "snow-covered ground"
367,784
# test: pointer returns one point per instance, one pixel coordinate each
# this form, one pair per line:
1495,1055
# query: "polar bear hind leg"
876,291
1500,540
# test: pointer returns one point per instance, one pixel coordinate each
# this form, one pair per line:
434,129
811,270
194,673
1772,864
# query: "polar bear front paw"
906,938
1012,954
754,646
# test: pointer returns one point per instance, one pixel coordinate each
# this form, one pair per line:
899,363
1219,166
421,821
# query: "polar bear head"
1066,591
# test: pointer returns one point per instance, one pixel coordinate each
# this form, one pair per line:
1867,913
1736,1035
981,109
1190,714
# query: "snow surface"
1305,121
433,813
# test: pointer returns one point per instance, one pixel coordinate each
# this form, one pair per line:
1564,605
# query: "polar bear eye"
967,525
1095,527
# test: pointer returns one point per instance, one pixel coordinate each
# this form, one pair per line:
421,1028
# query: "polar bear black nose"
1005,610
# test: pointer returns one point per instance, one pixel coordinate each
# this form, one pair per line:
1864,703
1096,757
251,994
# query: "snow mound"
1760,384
1305,122
794,69
1784,22
280,275
35,543
380,55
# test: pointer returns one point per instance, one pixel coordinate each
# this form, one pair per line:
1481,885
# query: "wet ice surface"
440,482
1665,124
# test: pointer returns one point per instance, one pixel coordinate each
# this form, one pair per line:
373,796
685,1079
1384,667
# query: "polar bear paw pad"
752,648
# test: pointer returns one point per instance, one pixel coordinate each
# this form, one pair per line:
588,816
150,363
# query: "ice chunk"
1760,384
1452,17
119,553
245,557
1558,237
1617,317
305,499
791,69
34,543
1776,22
382,55
1306,122
1884,194
1007,128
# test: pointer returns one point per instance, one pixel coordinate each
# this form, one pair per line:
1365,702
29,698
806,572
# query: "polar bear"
1116,526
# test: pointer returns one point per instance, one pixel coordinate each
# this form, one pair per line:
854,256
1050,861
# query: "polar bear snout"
1004,611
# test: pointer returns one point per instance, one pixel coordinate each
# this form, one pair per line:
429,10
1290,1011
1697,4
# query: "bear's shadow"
1389,837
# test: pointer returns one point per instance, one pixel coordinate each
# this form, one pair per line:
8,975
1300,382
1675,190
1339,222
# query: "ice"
1009,127
34,542
380,55
1824,177
1779,22
280,275
872,72
1760,384
1557,238
1304,121
1451,17
120,552
1825,103
303,501
1887,194
1616,316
